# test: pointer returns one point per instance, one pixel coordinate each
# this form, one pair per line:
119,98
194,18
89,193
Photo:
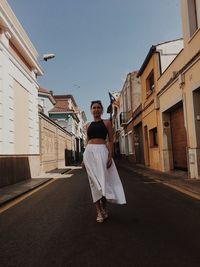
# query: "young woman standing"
103,177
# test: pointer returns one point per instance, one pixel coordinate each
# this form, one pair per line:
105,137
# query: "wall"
19,131
54,143
173,90
168,51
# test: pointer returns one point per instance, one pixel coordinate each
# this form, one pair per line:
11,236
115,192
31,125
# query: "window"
150,83
124,101
153,134
193,15
122,144
198,12
130,144
129,96
128,90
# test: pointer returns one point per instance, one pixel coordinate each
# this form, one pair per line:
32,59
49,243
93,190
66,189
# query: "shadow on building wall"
14,170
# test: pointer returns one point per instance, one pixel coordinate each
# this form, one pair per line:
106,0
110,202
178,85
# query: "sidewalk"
11,192
177,180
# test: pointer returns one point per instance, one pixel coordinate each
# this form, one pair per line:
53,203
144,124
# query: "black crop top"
97,129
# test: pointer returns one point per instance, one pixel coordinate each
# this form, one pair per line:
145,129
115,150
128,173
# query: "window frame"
150,83
193,18
153,137
197,13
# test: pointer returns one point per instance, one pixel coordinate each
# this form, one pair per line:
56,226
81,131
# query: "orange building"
179,99
155,63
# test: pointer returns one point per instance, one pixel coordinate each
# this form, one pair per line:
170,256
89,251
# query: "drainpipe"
182,85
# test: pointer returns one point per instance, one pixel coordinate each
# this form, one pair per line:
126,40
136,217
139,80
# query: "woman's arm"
86,142
109,143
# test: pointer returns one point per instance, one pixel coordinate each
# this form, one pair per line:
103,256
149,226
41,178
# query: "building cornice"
10,25
47,95
152,50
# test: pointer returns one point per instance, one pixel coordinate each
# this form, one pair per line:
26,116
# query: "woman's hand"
82,165
109,161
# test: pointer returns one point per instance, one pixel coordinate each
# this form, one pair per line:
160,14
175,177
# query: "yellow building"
155,63
179,99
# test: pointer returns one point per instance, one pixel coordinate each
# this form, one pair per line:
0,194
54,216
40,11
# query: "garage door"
179,138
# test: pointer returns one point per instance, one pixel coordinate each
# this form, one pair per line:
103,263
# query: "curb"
23,192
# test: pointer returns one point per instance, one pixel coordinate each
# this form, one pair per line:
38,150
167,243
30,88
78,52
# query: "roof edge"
152,50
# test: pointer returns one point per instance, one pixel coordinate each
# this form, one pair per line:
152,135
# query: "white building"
82,130
130,98
19,131
46,100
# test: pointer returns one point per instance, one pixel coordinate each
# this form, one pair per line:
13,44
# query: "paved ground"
177,179
56,226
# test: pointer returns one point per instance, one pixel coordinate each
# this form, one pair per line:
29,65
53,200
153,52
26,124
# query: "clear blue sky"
96,42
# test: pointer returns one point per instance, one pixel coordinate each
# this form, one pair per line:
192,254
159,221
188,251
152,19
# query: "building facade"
129,101
67,115
156,62
46,100
55,143
179,99
19,127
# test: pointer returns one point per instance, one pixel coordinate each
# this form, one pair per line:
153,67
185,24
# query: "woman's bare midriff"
96,141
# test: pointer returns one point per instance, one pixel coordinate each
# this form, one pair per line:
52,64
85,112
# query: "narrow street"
56,227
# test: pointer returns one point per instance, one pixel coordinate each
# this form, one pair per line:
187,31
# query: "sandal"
99,218
104,213
103,203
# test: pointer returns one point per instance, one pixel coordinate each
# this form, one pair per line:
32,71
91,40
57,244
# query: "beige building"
116,124
62,130
129,102
19,127
55,142
179,99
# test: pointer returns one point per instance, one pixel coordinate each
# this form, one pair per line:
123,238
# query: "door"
179,138
138,144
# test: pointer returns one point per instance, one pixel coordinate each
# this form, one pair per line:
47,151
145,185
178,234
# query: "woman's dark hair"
96,102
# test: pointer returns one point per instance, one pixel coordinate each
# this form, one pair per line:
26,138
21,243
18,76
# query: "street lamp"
48,56
43,57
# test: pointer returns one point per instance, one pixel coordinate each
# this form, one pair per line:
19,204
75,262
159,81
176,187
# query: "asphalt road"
56,227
